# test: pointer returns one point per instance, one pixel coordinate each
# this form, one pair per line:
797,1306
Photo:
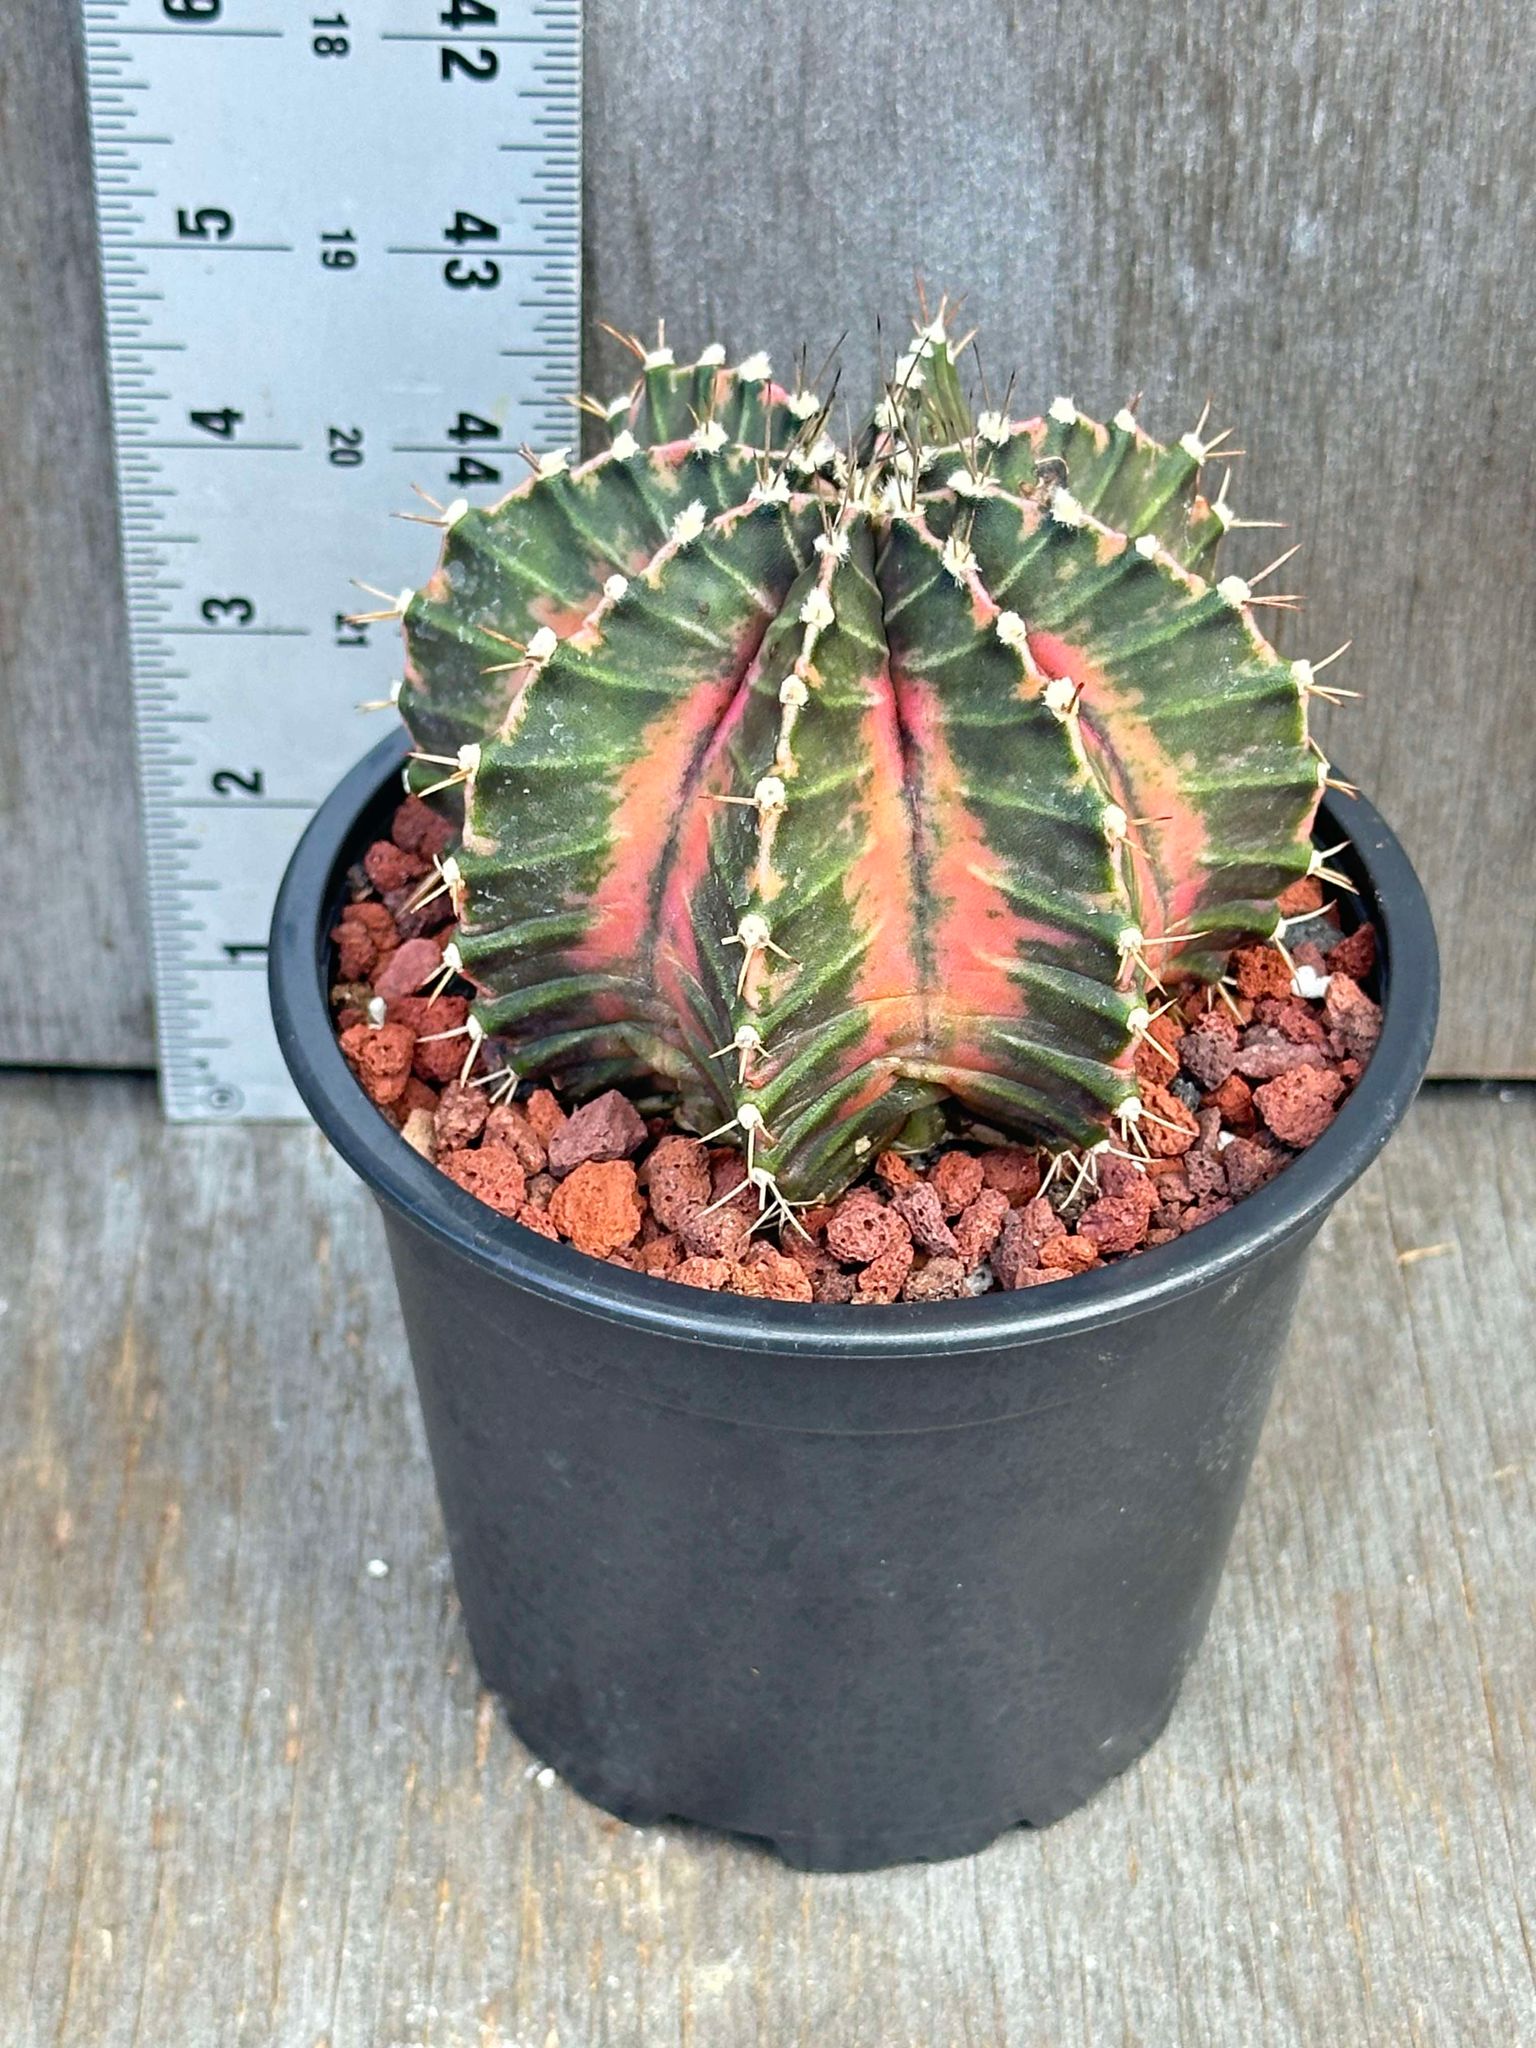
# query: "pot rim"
1294,1202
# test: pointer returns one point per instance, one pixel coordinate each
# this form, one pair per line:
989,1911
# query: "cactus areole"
822,787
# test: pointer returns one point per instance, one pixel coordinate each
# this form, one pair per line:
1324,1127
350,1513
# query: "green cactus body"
825,789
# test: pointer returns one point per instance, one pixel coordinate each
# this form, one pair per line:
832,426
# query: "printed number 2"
482,65
226,781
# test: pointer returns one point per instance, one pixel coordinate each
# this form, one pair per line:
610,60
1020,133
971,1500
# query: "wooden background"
1320,212
253,1797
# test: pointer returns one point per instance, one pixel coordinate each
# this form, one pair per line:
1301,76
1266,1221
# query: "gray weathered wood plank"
255,1799
76,987
1318,217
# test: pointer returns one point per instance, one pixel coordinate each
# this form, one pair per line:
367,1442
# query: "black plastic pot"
875,1584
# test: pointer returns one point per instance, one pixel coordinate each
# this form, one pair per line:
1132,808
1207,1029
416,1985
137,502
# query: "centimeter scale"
341,257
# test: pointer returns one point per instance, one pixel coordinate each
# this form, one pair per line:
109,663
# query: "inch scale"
340,245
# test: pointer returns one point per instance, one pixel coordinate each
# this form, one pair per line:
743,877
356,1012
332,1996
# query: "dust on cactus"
828,788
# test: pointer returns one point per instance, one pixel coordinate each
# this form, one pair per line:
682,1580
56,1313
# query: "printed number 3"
462,275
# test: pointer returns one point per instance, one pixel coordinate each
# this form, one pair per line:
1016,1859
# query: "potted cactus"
817,801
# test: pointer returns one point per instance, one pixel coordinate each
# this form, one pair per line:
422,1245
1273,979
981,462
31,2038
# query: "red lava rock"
1260,971
1168,1128
416,913
1024,1232
677,1179
417,1094
365,936
957,1179
861,1227
1011,1170
437,1057
388,866
408,967
885,1275
1293,1019
545,1114
696,1271
896,1173
597,1206
381,1059
608,1127
1304,894
1298,1107
833,1285
1204,1172
919,1208
770,1276
491,1173
940,1280
806,1252
1248,1163
1208,1050
1269,1081
417,828
461,1116
1123,1179
1157,1063
661,1256
1234,1101
976,1228
717,1233
1354,1019
508,1125
1355,955
722,1232
1266,1052
1114,1223
1072,1253
356,953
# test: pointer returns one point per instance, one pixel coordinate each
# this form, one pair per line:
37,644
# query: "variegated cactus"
827,789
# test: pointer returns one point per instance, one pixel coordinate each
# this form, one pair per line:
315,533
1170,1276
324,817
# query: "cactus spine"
824,787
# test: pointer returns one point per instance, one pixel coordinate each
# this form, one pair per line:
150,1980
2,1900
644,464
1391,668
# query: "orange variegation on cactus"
826,787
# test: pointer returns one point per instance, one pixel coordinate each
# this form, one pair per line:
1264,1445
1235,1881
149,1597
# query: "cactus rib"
826,788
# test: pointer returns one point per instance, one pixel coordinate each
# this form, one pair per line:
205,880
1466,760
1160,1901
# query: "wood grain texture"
1318,213
256,1801
76,987
1312,210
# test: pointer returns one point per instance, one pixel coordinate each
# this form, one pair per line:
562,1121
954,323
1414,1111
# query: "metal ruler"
341,256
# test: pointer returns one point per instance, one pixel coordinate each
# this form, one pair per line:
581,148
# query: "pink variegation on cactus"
828,787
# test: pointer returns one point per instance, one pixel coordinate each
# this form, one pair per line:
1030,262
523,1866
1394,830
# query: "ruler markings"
322,160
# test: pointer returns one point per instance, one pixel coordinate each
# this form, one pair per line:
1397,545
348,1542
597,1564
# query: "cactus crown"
823,785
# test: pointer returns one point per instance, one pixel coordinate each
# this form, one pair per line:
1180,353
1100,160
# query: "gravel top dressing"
1234,1083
